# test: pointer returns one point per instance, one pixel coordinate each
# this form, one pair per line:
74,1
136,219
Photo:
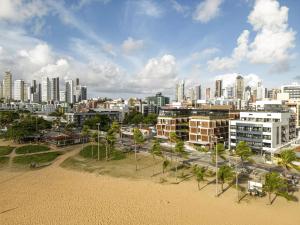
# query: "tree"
243,150
287,157
94,136
116,127
180,152
138,139
165,164
199,173
110,141
150,119
172,138
156,150
220,152
274,184
225,174
85,132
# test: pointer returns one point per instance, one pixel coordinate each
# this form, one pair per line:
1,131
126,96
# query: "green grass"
3,160
6,150
32,149
91,151
37,158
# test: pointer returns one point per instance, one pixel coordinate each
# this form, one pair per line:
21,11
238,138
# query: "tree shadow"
8,210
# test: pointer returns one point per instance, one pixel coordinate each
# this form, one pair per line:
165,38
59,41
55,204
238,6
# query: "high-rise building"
62,96
46,89
27,90
293,90
218,91
69,91
239,87
198,92
77,81
1,90
83,93
55,89
180,95
207,93
19,90
7,86
260,91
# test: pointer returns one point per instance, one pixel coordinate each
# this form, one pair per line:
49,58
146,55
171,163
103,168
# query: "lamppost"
98,124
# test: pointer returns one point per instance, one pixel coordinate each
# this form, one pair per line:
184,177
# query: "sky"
123,48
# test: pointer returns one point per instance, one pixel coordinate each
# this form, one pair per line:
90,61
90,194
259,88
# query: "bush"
32,149
4,160
37,158
6,150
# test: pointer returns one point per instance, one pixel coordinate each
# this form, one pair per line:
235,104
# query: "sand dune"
55,195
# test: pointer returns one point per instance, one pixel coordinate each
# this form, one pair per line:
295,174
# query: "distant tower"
77,81
239,87
7,86
207,93
19,90
55,89
46,89
69,91
198,92
218,92
180,91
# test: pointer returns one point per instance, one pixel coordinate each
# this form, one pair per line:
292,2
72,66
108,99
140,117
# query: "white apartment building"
19,90
70,91
263,131
46,89
293,90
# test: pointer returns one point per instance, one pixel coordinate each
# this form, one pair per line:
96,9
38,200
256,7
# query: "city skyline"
134,47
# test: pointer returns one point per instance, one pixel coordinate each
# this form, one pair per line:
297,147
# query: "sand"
55,195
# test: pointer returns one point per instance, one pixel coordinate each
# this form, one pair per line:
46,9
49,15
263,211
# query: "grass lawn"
91,152
38,158
32,149
6,150
3,160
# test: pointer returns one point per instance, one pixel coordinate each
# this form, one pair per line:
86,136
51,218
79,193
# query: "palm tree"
179,150
199,172
243,150
225,174
220,152
85,132
165,164
274,184
287,157
172,138
138,139
155,150
110,141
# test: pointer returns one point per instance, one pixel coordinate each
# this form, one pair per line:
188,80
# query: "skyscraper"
180,95
62,96
77,81
69,91
19,90
239,87
218,91
46,89
1,90
207,93
198,92
55,89
7,86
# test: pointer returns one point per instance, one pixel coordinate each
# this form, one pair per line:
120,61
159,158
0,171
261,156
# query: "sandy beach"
55,195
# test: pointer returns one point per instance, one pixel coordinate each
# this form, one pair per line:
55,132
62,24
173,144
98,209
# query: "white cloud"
272,43
183,9
21,10
149,8
40,55
131,45
159,74
207,10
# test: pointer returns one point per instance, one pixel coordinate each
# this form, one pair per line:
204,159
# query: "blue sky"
136,48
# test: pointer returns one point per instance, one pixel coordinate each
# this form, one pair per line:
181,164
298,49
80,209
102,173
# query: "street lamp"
98,124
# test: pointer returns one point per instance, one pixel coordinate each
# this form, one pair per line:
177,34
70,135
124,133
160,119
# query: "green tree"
172,139
180,152
274,184
165,164
85,133
220,152
150,119
199,173
287,157
243,150
225,174
155,150
138,140
110,141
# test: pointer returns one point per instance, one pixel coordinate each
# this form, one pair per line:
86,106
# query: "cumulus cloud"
40,54
159,74
21,10
272,43
131,45
207,10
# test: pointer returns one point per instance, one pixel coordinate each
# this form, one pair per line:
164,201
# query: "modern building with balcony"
263,131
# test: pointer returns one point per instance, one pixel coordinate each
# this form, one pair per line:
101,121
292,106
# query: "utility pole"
217,191
236,179
98,124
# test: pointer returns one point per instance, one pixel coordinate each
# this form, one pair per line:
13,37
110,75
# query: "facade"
293,90
1,90
218,91
62,96
69,91
19,90
205,130
263,131
55,89
239,87
207,93
7,86
198,92
154,103
180,95
46,89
